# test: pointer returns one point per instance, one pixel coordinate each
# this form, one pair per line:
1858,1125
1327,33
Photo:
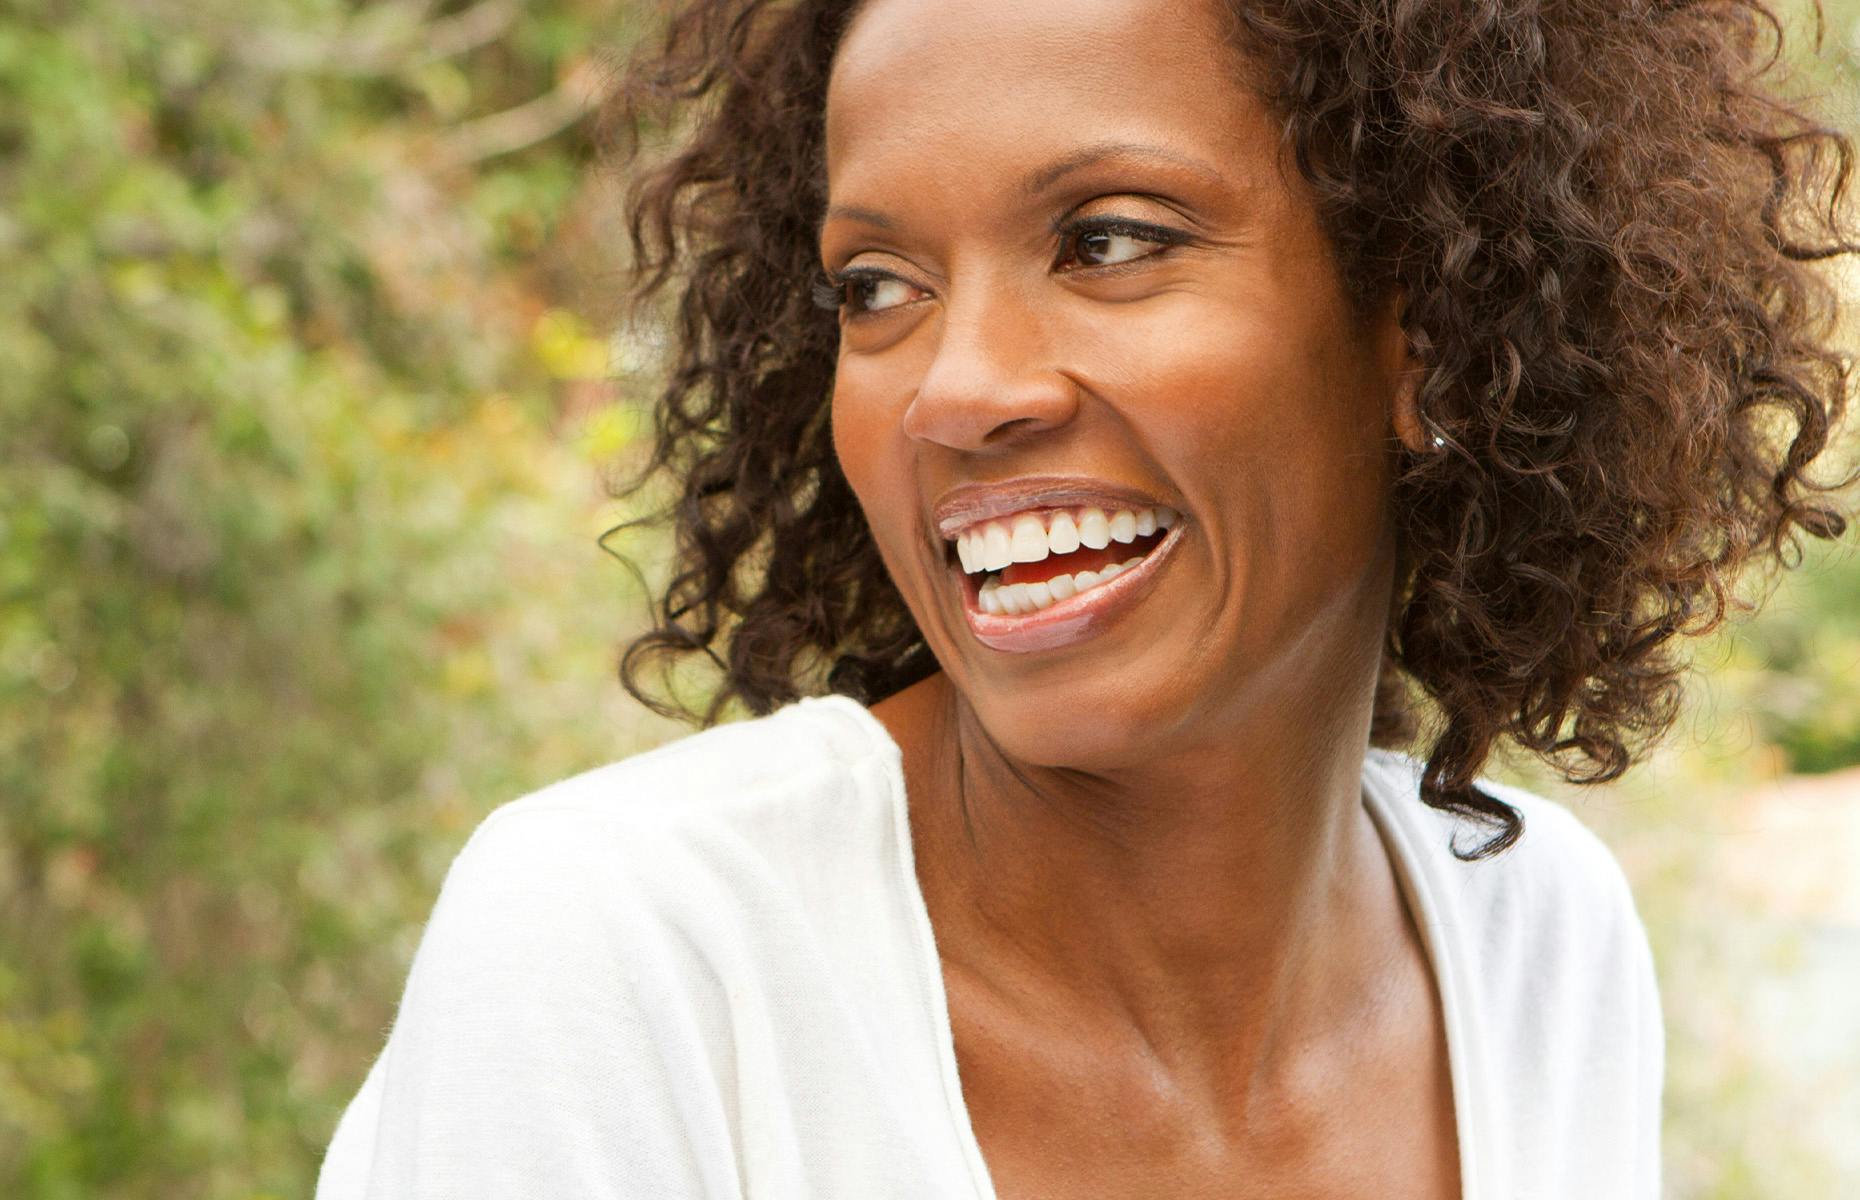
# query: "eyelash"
831,291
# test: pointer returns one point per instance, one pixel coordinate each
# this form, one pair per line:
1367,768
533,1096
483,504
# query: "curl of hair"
1602,216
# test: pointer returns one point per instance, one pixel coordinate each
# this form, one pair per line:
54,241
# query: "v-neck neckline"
1421,889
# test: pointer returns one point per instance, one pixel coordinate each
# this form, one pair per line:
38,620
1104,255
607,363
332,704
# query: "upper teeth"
1030,537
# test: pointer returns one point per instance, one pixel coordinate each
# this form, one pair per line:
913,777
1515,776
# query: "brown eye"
874,293
1108,244
858,292
1098,248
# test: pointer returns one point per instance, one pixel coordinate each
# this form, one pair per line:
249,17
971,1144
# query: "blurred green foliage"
295,403
1800,665
301,420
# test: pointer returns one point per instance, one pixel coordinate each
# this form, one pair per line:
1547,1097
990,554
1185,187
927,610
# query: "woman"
1203,388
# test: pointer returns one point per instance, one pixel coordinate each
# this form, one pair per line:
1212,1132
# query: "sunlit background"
309,386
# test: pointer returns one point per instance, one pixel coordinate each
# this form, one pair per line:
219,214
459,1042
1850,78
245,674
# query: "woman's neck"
1223,903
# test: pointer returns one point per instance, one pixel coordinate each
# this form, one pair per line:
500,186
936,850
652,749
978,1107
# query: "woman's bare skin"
1177,959
1070,1097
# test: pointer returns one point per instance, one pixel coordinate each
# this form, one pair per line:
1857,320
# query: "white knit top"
707,971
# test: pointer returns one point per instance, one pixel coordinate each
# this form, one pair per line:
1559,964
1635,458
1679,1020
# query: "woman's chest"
1375,1123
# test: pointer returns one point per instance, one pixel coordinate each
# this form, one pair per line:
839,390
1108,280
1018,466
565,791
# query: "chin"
1099,729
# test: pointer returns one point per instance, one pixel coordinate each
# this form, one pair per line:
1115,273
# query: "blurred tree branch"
529,123
384,39
482,23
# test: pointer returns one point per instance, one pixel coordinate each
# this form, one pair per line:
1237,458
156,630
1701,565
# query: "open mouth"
1034,560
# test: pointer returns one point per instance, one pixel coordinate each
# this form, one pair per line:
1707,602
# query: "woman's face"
1077,280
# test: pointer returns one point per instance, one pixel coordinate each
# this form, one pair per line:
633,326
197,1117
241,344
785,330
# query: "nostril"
1009,429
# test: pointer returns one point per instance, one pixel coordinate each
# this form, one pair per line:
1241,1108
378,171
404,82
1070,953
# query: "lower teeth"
1016,598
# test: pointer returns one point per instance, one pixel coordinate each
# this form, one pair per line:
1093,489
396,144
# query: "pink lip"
963,506
1070,620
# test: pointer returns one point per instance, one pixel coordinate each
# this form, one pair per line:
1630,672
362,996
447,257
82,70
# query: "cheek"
1269,419
871,450
858,438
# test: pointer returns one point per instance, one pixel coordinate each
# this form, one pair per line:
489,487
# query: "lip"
1073,619
966,504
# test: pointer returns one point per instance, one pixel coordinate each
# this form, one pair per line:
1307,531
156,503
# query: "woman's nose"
994,377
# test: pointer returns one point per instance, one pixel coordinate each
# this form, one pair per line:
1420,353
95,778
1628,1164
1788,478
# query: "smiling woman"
1110,434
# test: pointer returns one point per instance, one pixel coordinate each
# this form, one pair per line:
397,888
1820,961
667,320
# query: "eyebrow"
866,216
1044,177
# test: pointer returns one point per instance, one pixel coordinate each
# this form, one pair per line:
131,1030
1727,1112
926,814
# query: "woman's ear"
1403,370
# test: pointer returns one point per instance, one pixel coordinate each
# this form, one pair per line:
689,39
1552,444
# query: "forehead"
996,83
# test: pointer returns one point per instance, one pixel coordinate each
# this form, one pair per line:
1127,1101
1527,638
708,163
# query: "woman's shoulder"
621,933
1557,871
1548,927
1547,947
711,833
775,779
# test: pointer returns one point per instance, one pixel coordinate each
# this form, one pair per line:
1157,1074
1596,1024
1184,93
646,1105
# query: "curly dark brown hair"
1604,215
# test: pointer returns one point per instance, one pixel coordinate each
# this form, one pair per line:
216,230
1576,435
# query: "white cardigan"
707,971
